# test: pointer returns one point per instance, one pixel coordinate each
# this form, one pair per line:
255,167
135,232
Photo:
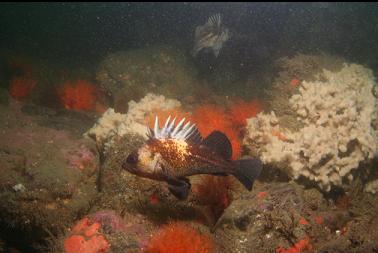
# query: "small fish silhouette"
210,35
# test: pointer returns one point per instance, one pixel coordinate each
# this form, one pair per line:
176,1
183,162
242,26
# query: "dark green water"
262,30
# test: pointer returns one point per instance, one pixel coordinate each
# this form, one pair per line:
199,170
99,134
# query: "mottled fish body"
172,153
186,159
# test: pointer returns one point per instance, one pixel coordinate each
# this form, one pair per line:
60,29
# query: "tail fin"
247,171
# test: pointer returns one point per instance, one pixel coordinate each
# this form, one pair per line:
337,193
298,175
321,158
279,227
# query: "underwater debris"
179,237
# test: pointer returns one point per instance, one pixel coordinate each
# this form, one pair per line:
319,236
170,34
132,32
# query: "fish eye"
132,158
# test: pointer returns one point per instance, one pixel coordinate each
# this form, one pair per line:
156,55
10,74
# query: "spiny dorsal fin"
215,20
219,142
187,132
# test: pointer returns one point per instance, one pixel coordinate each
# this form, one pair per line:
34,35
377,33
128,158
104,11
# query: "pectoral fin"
179,191
179,187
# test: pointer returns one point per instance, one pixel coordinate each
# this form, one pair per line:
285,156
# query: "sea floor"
53,178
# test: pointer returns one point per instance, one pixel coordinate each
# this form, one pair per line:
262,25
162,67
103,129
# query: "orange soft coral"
21,86
179,237
78,95
241,110
85,238
209,118
214,192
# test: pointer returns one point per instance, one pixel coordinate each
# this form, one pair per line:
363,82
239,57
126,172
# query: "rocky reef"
48,176
63,188
132,74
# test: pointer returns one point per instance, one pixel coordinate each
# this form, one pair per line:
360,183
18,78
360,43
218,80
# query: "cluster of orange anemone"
77,94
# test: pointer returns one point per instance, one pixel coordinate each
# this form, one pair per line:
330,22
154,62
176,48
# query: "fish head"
144,162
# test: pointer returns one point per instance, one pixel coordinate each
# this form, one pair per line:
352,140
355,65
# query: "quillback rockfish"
172,153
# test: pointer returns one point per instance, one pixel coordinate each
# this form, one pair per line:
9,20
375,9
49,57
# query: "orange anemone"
207,119
78,95
179,237
241,110
21,86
